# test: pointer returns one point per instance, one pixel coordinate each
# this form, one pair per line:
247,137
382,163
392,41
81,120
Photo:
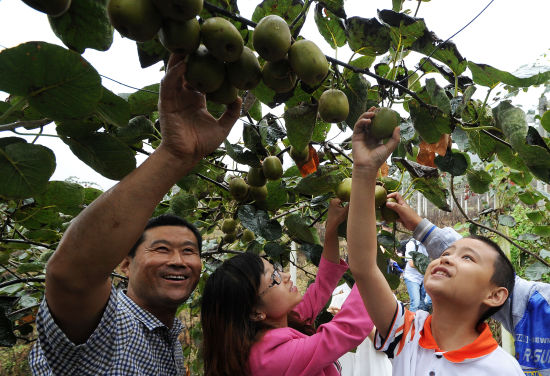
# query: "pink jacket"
285,351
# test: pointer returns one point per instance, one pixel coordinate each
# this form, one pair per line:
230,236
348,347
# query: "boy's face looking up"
462,276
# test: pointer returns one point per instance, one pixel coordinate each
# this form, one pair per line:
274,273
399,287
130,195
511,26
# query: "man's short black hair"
503,276
167,220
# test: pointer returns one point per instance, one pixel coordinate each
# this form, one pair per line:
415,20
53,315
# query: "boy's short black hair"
503,275
167,220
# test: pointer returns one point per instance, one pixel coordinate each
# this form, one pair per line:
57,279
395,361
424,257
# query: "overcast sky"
507,35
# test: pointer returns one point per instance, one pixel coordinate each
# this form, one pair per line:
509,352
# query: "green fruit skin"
380,196
299,156
333,106
343,191
54,8
279,76
247,236
238,189
389,215
138,20
230,238
272,168
271,38
256,177
204,72
179,10
222,39
384,122
229,226
258,193
246,72
308,61
225,94
182,37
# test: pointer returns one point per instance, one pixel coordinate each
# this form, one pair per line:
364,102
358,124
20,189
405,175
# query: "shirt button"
438,356
432,373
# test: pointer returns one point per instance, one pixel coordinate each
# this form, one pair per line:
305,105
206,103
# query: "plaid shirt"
127,341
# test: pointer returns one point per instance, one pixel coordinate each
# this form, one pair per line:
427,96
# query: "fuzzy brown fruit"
256,177
272,168
384,122
380,196
333,106
229,226
138,20
343,191
271,38
238,189
389,215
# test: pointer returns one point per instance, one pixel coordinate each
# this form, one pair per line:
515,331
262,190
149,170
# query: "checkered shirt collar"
150,321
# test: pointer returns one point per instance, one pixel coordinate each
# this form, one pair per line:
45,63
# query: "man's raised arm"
78,274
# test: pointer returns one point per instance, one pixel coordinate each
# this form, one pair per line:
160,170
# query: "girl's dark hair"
228,301
503,274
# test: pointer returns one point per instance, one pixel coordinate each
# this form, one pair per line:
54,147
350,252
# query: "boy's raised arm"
368,155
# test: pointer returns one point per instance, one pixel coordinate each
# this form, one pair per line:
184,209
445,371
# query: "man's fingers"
394,140
231,114
174,60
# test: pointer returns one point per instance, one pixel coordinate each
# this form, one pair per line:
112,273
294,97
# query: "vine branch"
212,181
340,151
469,220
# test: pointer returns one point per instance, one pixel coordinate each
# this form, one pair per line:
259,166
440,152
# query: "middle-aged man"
84,326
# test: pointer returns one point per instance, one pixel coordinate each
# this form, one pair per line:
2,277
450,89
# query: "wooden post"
294,260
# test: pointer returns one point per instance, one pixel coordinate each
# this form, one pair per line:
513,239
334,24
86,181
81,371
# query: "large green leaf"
136,130
481,144
239,155
67,197
357,89
429,123
322,181
536,216
299,123
274,250
258,222
330,27
367,36
479,180
287,9
452,162
85,25
104,153
486,75
25,169
312,252
446,52
78,127
434,190
545,121
270,130
404,30
253,140
299,228
438,96
113,109
144,101
277,195
151,52
57,82
542,230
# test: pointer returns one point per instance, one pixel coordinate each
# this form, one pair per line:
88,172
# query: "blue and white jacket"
526,314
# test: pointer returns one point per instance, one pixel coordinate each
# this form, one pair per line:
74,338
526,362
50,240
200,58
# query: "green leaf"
322,181
78,127
136,130
7,338
31,267
509,157
535,271
479,180
367,36
320,131
66,197
521,178
545,121
336,7
429,124
258,222
404,30
43,235
434,190
357,89
452,162
253,140
25,169
446,52
113,109
151,52
536,216
277,195
438,96
330,26
183,204
270,130
481,144
486,75
90,194
85,25
299,228
239,155
420,261
57,82
542,230
274,250
506,220
144,101
312,252
256,110
104,153
254,247
529,198
299,123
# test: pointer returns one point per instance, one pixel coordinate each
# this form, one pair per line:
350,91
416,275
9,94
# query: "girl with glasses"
255,322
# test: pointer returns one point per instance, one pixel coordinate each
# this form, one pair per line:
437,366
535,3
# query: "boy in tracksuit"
526,314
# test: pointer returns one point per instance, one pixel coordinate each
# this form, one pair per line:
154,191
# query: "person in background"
255,321
526,314
414,280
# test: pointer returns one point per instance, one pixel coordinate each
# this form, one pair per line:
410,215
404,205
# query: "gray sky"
507,35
